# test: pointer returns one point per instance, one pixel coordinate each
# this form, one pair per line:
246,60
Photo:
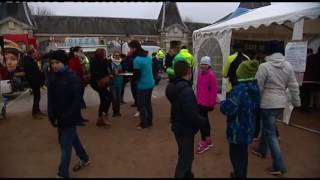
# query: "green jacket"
183,54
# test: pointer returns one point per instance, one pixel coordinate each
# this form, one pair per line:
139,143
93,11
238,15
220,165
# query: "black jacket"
33,73
185,120
64,99
98,70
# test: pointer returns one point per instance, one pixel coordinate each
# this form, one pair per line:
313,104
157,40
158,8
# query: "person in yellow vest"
231,65
160,57
185,55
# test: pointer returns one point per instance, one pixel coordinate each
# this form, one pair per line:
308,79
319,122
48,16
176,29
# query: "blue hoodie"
241,107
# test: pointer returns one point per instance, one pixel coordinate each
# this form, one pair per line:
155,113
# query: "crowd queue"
257,95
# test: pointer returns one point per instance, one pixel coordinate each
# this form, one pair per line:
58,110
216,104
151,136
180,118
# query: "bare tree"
41,10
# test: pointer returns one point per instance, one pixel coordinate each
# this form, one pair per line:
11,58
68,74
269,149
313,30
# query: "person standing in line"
206,99
274,77
117,82
184,117
75,66
64,108
35,80
155,68
126,79
101,79
142,66
241,107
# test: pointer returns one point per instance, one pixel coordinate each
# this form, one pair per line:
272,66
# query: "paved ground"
29,147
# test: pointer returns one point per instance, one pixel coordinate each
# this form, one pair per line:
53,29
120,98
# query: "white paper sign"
296,54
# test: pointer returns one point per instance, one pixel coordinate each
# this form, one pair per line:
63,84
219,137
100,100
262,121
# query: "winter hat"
247,69
59,55
205,60
12,47
273,46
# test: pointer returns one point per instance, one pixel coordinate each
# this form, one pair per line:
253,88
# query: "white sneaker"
137,114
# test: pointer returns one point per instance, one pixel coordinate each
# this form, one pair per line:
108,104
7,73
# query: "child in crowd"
241,107
206,98
185,120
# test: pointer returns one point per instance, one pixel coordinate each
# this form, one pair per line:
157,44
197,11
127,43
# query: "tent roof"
276,13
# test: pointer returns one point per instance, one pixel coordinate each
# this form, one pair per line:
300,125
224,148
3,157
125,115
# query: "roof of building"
18,11
242,8
253,5
94,25
100,25
169,15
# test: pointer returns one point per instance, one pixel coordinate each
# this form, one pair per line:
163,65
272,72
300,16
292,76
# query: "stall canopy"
279,20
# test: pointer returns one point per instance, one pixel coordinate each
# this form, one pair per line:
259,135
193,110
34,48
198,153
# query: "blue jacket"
241,108
185,120
64,99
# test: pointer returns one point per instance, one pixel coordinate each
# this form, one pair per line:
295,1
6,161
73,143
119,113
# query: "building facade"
46,32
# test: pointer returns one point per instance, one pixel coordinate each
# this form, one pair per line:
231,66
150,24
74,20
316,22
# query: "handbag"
5,86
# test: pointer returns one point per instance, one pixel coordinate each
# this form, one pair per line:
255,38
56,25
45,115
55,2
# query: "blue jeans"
145,107
68,137
269,137
116,98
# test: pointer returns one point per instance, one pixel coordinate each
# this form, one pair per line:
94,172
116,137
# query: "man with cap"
274,77
232,63
64,108
240,107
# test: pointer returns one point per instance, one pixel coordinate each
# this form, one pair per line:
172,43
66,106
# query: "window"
11,25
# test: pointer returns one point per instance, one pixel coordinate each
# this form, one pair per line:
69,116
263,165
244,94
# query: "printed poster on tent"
296,54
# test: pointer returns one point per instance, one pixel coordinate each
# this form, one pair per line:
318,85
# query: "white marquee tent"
280,21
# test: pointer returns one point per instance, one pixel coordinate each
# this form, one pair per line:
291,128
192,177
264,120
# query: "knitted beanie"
247,69
205,60
59,55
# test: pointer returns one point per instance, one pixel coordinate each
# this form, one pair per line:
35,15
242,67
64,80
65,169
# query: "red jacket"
75,66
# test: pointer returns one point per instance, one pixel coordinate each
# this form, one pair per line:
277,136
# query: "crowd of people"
257,94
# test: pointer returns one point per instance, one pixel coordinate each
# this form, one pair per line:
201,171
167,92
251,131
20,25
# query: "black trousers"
205,130
145,107
239,159
105,99
133,85
36,99
185,156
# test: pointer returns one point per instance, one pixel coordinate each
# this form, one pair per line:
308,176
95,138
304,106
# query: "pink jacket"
207,88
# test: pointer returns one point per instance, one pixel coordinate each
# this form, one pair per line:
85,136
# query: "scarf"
116,61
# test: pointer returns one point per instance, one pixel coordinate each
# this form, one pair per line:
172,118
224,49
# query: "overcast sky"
206,12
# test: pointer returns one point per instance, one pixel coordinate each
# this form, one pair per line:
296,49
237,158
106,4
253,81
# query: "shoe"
209,143
256,139
137,114
202,147
101,123
257,153
232,175
81,165
60,176
133,105
122,102
275,172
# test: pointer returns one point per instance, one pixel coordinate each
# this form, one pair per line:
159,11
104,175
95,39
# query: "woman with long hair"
100,81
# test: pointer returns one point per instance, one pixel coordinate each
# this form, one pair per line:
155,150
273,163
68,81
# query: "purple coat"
207,88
